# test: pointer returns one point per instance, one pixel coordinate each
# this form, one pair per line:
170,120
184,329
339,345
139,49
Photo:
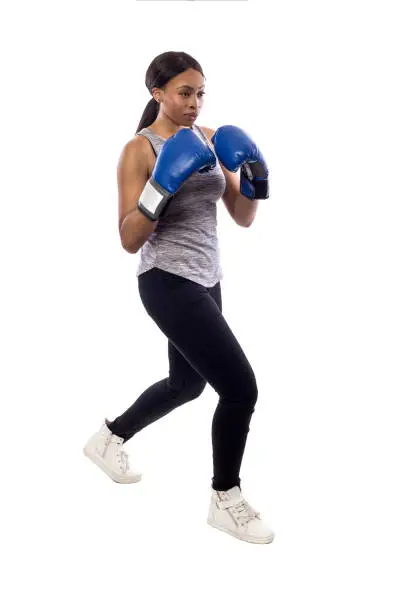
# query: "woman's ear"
156,94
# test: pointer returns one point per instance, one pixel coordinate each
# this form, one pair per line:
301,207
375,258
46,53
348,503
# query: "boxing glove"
236,149
180,156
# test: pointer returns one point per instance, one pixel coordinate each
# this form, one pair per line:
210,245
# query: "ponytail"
149,114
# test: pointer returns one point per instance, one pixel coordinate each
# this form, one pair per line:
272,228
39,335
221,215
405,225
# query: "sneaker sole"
266,540
97,461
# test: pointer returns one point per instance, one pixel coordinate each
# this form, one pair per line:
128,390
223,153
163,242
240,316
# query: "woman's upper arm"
132,175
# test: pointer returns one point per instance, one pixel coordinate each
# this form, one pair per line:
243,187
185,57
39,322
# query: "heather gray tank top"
185,241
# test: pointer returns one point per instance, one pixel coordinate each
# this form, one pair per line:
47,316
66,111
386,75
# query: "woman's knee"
189,390
244,390
195,389
251,390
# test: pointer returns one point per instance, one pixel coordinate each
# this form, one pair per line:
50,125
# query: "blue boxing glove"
236,149
180,156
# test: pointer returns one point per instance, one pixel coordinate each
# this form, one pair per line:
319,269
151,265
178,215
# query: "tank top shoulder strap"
201,132
155,140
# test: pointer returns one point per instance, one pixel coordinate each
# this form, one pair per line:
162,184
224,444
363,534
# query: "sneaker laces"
244,512
121,456
241,510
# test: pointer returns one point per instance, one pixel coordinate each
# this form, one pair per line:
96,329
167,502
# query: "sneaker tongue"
235,493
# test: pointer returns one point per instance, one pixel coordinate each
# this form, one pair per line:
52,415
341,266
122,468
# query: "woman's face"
181,97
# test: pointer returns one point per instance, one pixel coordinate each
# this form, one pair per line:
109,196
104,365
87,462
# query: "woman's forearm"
245,210
135,230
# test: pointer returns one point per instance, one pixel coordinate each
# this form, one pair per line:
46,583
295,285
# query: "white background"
315,291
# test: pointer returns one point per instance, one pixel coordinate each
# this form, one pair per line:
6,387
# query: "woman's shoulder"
139,150
138,142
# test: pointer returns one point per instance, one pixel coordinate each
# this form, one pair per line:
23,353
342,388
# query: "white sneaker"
230,512
105,450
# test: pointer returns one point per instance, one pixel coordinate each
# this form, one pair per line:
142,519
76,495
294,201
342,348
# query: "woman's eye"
184,93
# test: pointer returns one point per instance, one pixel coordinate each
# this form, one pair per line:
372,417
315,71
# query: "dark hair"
163,68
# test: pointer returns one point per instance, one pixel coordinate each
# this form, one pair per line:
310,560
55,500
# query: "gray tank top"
185,241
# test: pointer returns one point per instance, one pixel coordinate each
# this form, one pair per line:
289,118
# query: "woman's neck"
165,131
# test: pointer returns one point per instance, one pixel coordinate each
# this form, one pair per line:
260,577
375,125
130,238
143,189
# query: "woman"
167,208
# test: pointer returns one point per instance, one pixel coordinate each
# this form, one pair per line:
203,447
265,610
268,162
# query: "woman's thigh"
190,316
181,372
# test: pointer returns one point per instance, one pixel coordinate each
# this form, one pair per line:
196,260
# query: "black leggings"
201,349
